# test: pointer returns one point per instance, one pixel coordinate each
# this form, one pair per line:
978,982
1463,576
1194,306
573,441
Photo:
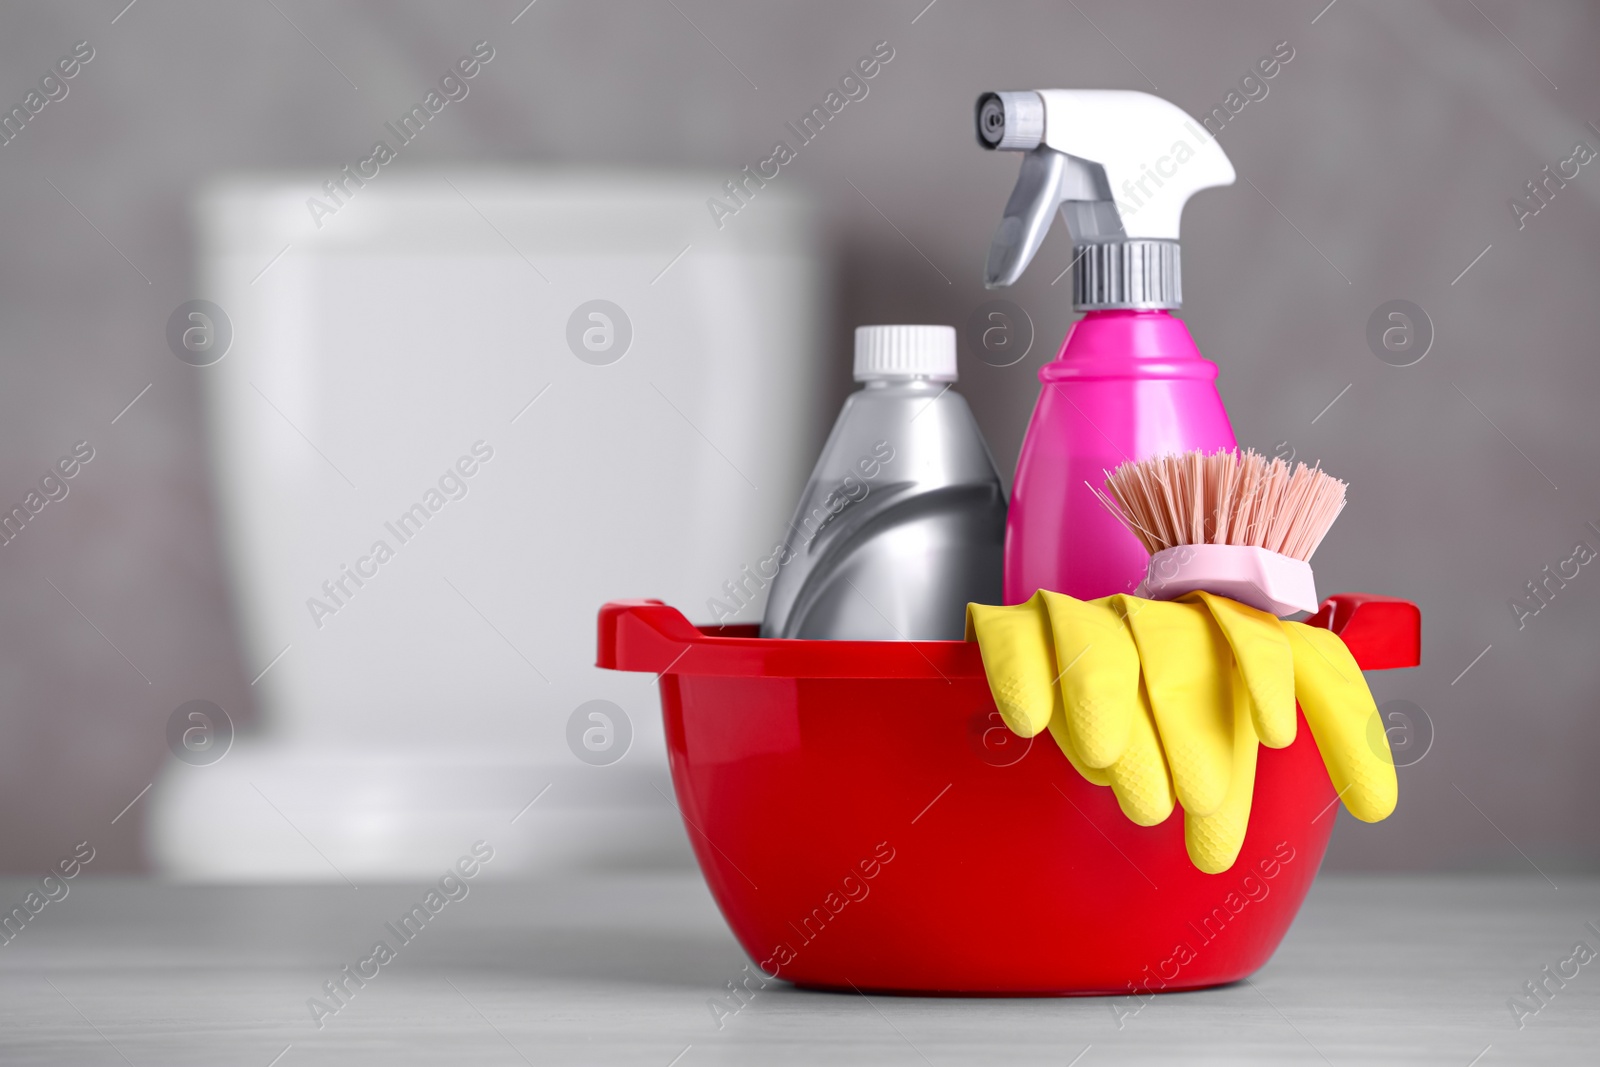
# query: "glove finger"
1063,736
1014,641
1140,778
1214,840
1344,721
1187,664
1261,650
1099,666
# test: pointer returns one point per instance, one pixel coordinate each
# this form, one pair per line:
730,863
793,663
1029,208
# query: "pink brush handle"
1263,579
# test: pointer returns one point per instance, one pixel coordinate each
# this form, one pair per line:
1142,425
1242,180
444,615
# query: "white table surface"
619,971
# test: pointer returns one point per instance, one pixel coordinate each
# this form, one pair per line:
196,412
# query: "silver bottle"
903,521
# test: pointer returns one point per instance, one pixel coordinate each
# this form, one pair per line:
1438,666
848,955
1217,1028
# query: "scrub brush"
1231,523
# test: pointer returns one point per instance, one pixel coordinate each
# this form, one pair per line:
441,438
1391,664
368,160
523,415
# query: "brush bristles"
1224,498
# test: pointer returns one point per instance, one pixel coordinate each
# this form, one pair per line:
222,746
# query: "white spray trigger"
1122,164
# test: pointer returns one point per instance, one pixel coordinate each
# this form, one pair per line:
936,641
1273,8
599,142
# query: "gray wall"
1379,165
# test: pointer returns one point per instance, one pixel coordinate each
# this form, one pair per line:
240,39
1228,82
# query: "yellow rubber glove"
1106,722
1019,660
1140,778
1188,666
1058,730
1099,675
1340,711
1261,652
1213,841
1180,718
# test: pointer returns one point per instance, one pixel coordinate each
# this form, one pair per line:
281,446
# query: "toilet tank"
454,416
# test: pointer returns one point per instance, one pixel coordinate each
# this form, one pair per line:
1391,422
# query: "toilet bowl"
537,391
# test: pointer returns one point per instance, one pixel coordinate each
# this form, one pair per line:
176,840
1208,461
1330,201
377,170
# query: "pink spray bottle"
1129,382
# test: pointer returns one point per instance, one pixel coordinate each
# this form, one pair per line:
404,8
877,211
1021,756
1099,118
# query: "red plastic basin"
864,819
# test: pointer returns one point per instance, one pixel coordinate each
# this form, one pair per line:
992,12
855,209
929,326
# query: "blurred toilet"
652,442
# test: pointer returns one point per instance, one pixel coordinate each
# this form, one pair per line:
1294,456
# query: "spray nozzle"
1120,165
1010,120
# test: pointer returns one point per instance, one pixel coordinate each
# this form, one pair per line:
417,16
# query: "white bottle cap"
905,352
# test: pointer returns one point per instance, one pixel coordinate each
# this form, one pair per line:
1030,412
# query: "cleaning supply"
1168,702
903,520
1209,676
1233,523
1129,382
856,833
